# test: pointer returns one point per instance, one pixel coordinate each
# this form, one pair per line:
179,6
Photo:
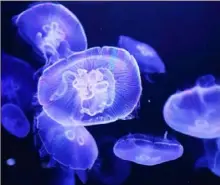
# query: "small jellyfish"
73,147
147,58
14,120
51,29
211,158
96,86
17,84
195,111
147,150
109,169
10,162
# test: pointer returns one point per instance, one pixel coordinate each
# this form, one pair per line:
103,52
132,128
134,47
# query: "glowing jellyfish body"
211,158
17,84
14,120
11,162
96,86
147,58
195,112
73,147
147,150
52,29
109,169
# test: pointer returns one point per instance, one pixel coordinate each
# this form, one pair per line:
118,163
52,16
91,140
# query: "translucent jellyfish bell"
49,27
109,169
17,84
147,150
147,58
14,120
96,86
73,147
195,111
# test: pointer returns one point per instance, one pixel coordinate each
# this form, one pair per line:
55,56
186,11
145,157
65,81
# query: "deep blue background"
187,37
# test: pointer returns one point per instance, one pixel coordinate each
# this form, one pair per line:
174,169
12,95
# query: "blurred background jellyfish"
147,58
96,86
109,169
72,147
17,84
147,150
14,120
195,111
10,162
51,29
211,158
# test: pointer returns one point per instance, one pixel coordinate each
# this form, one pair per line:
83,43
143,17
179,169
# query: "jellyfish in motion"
147,150
17,82
109,169
14,120
73,147
195,111
96,86
51,29
147,58
211,158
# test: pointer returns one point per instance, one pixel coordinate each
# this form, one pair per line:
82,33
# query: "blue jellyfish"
211,158
10,162
195,111
96,86
147,58
109,169
14,120
147,150
73,147
51,29
18,86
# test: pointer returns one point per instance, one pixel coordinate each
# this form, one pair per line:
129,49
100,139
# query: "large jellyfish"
73,147
211,158
51,29
14,120
147,58
17,84
109,169
96,86
195,111
147,150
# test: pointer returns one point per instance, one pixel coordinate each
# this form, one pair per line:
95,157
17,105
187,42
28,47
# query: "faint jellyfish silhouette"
73,147
96,86
147,150
211,158
14,120
109,169
206,81
52,29
17,81
195,111
147,58
10,162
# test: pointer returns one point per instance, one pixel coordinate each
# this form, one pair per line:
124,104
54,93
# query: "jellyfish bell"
51,29
73,147
14,120
147,150
147,58
96,86
17,82
195,111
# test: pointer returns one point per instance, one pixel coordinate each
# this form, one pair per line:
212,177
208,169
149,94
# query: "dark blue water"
187,37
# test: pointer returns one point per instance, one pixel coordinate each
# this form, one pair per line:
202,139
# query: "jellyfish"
211,158
147,150
10,162
147,58
14,120
195,111
51,29
72,147
96,86
17,84
109,169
